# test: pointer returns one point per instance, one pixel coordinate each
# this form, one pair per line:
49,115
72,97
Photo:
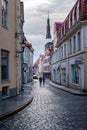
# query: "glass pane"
4,72
75,74
4,65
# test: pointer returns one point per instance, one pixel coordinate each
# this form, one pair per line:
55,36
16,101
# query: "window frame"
79,41
5,13
75,74
4,65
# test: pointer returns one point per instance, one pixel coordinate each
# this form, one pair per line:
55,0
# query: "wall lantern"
20,36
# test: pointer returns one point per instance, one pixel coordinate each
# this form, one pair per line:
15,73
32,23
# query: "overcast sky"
36,13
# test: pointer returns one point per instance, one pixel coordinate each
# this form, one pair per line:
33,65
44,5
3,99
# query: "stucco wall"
7,42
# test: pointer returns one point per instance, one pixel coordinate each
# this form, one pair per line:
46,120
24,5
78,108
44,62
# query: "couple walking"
42,80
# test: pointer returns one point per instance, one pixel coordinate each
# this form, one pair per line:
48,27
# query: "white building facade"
27,63
69,61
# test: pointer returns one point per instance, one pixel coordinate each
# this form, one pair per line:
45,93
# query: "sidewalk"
67,89
12,105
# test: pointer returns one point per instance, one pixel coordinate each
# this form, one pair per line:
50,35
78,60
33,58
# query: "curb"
10,113
69,90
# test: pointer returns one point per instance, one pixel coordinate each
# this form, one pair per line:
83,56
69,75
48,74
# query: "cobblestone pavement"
51,109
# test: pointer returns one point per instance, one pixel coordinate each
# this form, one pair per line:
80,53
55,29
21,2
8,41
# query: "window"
74,44
70,44
69,22
63,75
64,50
73,17
64,28
77,11
61,52
4,65
79,41
4,12
75,74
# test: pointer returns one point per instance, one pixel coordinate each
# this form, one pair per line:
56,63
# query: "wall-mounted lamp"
21,51
20,36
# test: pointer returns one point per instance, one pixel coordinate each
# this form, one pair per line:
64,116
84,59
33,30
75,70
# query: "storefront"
64,67
76,73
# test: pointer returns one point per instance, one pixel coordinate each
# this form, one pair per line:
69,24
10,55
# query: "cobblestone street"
51,109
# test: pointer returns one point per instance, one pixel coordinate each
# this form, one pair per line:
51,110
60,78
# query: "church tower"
48,35
47,58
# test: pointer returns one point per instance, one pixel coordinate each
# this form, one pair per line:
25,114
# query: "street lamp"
21,41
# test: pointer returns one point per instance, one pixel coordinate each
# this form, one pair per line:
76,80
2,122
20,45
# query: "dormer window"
77,11
69,22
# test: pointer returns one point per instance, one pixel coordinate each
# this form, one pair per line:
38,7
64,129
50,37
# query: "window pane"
4,72
70,42
75,74
79,41
4,65
63,75
74,44
4,12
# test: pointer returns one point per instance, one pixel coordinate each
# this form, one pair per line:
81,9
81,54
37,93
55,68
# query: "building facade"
39,66
70,58
28,63
8,47
19,36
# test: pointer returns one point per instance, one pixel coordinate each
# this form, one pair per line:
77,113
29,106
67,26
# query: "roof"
58,25
29,45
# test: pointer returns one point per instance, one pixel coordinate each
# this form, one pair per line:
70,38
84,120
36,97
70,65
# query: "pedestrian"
43,79
40,80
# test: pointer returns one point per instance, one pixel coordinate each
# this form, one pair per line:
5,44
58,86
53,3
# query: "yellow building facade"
9,84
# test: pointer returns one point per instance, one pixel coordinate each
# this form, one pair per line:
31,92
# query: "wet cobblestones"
51,109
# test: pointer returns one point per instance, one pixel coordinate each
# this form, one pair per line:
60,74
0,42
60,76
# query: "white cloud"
36,19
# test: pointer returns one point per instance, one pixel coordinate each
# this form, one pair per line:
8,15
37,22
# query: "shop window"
75,74
4,65
63,75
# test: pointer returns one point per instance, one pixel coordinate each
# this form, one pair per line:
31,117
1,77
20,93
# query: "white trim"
64,65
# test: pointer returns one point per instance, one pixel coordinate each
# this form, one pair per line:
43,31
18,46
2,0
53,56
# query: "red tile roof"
58,25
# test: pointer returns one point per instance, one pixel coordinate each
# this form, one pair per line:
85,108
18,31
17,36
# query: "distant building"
69,59
41,61
27,62
48,46
38,66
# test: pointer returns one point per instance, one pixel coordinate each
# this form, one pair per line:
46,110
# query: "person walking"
40,80
43,79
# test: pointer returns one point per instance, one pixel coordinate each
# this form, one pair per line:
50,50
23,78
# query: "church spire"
48,35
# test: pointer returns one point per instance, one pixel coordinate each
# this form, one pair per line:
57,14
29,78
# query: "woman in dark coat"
40,80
